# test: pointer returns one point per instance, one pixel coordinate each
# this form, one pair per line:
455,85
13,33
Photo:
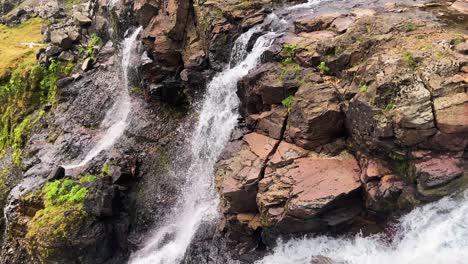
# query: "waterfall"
436,233
217,118
115,121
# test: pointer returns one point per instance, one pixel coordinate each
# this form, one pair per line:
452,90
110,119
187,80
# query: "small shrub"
457,40
390,106
289,49
89,50
363,88
410,26
409,59
323,68
287,102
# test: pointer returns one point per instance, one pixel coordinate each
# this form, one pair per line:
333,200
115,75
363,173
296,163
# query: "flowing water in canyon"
115,121
436,233
217,118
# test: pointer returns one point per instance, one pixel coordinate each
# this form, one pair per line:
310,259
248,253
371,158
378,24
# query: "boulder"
263,87
460,6
341,24
61,38
451,113
437,171
237,176
382,196
270,123
315,23
81,19
310,194
315,117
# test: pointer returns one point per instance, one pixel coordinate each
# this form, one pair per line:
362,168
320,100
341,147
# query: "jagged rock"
61,83
101,199
270,123
237,176
461,6
66,56
341,24
382,196
374,169
81,19
262,88
315,23
451,113
57,174
52,50
87,64
437,171
61,38
310,194
315,117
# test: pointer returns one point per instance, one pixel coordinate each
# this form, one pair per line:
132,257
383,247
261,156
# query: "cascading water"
218,117
115,121
436,233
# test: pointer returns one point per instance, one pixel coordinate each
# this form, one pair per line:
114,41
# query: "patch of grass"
287,102
12,52
409,60
323,68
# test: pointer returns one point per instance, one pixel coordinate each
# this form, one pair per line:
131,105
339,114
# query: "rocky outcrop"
374,125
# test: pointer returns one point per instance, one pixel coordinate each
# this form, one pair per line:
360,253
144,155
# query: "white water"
434,234
218,117
115,121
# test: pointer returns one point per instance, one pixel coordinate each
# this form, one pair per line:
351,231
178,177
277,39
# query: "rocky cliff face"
354,115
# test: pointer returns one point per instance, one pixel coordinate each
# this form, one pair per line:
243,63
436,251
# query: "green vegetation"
363,88
390,106
409,59
25,86
30,86
457,40
323,68
12,51
89,50
62,213
106,169
410,26
287,102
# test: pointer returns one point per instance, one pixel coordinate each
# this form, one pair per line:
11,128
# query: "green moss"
61,216
87,178
287,102
29,87
323,68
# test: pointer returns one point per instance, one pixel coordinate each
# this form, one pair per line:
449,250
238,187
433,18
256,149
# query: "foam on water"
436,233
